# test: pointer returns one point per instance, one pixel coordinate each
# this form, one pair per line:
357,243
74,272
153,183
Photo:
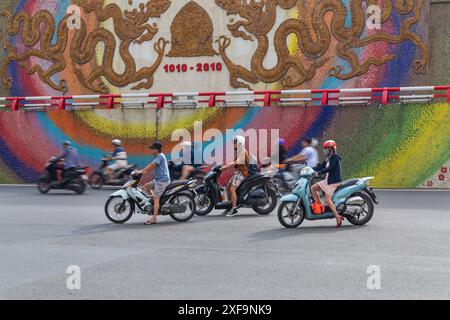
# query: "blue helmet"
281,142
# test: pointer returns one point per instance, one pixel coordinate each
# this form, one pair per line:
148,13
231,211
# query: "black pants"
68,174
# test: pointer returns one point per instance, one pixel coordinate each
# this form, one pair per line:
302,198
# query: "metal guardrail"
319,97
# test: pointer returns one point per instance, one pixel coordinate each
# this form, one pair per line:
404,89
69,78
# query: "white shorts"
115,166
158,188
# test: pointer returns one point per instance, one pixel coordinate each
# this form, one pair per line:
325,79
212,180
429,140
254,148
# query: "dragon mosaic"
53,42
130,26
258,18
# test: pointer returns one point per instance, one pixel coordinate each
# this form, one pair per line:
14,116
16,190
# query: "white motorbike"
177,201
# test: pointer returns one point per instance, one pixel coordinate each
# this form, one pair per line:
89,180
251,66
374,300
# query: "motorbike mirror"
136,176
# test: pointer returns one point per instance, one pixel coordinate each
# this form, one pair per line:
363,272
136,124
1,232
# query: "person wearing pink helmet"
331,167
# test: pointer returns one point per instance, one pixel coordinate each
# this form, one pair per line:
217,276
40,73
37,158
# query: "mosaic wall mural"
410,154
180,45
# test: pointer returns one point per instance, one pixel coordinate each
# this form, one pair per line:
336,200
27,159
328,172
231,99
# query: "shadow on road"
111,227
279,233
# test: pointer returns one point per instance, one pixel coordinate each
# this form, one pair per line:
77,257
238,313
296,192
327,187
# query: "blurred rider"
119,155
309,155
71,161
189,166
282,151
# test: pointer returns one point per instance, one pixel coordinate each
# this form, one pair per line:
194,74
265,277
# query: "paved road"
214,257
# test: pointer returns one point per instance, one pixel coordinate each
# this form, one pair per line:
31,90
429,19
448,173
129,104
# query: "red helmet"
329,144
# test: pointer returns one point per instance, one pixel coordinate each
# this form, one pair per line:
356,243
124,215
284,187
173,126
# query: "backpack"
253,166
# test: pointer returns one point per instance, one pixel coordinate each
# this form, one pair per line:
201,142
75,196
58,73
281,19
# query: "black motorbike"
175,172
74,180
256,191
100,177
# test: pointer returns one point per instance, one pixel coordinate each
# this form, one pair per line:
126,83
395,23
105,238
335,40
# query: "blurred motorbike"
100,177
74,180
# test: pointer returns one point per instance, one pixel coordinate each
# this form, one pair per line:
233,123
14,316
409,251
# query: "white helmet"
240,140
186,144
117,142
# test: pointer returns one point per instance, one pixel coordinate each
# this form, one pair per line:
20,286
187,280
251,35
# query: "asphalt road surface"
215,257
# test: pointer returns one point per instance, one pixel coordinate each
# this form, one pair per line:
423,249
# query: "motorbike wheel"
288,218
189,202
96,181
43,186
118,210
207,206
268,208
368,208
80,188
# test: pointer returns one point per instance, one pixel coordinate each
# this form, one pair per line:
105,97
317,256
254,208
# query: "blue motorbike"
354,200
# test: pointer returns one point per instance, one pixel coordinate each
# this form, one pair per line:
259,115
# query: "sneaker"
232,213
227,211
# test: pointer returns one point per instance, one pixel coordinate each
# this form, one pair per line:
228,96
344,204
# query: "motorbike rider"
161,180
119,155
332,168
188,167
71,161
282,151
241,165
308,155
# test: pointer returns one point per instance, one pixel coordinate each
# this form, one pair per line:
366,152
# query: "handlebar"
135,175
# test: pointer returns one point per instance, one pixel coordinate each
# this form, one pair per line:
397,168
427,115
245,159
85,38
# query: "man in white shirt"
308,155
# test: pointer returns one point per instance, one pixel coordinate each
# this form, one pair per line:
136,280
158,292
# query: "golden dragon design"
258,18
130,26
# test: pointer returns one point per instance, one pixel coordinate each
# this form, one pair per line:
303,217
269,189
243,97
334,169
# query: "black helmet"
156,146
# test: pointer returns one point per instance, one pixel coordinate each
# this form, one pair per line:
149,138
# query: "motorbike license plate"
84,177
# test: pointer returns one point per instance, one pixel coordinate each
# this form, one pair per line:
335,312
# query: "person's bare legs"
148,189
155,209
328,199
233,193
315,189
228,188
109,171
186,172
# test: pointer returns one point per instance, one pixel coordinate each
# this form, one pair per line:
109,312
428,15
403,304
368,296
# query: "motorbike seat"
130,166
175,184
347,183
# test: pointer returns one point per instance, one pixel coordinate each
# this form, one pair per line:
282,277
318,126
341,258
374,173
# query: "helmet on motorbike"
329,144
281,142
240,140
116,142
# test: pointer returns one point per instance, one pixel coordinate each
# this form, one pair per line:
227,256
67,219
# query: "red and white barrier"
326,97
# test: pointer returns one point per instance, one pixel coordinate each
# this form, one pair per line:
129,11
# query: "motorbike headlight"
306,171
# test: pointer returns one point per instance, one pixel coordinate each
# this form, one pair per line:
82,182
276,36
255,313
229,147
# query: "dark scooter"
256,191
175,172
49,180
100,177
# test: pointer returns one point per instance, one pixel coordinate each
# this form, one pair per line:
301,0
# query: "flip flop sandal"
149,223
